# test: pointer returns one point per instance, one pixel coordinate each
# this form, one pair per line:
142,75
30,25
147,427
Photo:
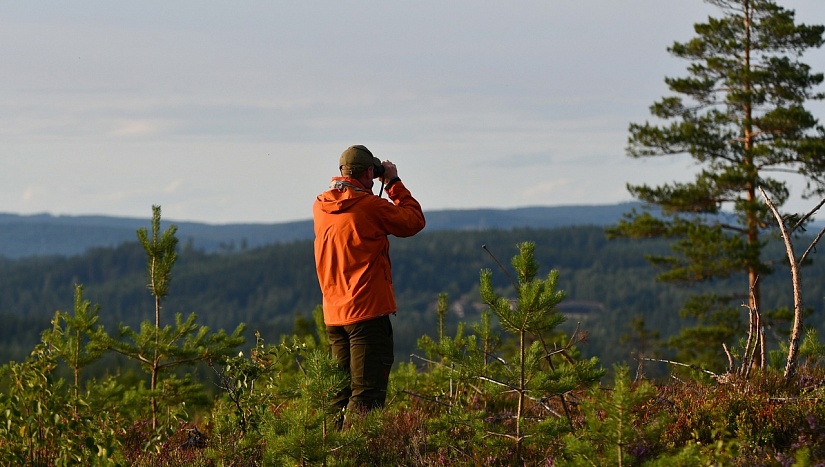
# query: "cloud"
173,187
548,189
131,128
28,194
523,161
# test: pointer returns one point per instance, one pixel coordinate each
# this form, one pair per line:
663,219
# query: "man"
353,265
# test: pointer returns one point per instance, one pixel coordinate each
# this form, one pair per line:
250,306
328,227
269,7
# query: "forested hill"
44,234
608,285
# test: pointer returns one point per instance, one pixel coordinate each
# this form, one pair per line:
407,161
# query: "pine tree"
740,115
535,374
534,312
612,428
644,342
160,349
303,431
72,336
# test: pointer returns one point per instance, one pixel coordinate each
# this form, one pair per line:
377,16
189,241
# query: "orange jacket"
352,250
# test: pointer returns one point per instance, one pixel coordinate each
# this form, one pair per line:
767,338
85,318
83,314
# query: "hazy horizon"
237,112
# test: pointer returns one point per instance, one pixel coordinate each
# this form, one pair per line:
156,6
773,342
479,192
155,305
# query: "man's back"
354,272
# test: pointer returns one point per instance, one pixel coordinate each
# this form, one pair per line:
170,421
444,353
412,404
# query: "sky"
237,112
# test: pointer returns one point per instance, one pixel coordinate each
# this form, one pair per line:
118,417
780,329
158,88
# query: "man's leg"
371,358
339,342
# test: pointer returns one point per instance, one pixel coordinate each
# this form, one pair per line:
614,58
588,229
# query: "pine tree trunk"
521,391
155,363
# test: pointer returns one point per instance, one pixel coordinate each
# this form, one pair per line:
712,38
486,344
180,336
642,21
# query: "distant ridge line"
47,234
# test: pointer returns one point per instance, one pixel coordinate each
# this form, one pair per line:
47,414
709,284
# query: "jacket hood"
343,193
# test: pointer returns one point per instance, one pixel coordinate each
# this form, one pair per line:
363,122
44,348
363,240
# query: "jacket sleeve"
404,218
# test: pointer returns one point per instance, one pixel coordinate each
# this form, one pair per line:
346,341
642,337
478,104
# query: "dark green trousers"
365,350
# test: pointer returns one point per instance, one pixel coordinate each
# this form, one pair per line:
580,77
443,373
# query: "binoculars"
377,170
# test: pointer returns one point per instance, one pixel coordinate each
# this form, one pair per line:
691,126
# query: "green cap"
356,159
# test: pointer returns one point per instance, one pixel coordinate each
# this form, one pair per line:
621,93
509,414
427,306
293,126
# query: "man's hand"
390,171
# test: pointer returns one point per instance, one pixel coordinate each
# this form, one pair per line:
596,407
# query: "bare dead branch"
806,216
500,266
811,246
426,398
687,365
796,332
730,358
